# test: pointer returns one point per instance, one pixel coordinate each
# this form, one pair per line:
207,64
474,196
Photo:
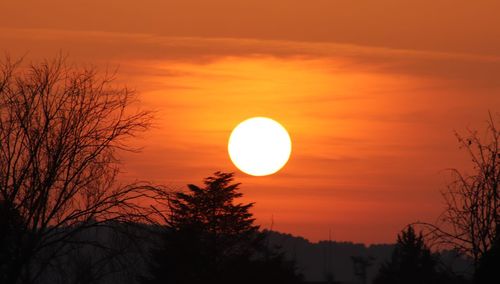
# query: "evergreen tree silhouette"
212,239
411,263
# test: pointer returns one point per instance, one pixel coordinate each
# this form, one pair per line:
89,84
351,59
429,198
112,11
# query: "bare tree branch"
471,218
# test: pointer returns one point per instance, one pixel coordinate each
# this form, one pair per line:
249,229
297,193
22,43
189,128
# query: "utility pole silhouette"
327,260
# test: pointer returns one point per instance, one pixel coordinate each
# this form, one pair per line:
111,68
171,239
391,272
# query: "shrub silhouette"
212,239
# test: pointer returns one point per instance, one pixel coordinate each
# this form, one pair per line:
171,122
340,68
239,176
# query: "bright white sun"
259,146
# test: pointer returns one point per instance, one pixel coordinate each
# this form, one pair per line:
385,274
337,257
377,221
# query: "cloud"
470,70
446,25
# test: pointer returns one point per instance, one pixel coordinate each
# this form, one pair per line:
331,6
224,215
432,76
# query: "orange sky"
370,92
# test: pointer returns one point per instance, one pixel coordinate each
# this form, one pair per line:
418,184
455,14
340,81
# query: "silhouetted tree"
471,220
411,262
212,239
60,130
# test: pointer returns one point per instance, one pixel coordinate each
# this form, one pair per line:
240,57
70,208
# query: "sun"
259,146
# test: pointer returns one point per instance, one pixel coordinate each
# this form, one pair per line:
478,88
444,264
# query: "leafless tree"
470,221
61,128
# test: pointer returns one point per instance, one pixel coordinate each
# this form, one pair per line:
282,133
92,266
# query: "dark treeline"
64,217
341,261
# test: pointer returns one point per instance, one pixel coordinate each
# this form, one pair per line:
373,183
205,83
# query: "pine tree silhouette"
212,239
412,262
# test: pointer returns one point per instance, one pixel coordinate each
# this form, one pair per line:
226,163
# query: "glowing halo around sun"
259,146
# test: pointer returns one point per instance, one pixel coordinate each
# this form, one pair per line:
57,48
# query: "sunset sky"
371,93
